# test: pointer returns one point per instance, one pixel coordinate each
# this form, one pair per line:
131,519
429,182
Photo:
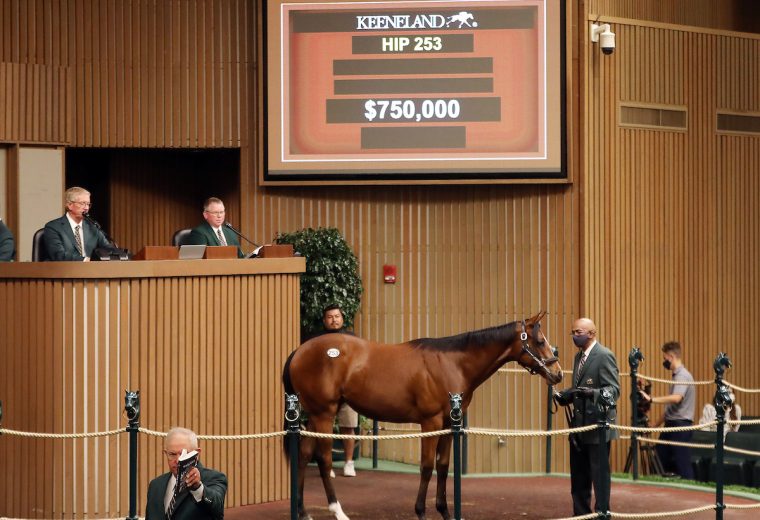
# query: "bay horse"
404,383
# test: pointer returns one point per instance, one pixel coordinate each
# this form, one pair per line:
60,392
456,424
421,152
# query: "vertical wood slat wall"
141,74
198,348
670,218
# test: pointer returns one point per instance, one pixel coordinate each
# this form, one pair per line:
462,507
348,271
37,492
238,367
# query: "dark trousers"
676,459
587,468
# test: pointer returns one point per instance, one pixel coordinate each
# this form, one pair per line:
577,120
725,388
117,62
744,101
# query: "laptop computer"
191,252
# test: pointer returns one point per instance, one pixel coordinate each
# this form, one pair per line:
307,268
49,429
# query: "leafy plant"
331,277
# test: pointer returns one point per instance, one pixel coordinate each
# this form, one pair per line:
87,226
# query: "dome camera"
601,34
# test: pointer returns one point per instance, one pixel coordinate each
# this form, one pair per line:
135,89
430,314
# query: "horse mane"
465,340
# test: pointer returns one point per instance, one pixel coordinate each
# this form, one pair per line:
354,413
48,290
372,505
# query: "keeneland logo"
419,21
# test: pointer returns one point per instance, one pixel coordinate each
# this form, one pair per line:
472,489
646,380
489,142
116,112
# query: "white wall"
41,180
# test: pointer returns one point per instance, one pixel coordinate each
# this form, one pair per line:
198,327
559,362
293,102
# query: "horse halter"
542,363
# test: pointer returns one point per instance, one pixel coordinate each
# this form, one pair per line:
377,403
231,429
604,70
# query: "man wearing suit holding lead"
595,385
213,232
71,237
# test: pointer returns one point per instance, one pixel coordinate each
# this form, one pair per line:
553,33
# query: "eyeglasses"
82,204
172,455
216,213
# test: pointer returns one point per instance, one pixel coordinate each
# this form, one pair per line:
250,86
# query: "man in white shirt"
200,494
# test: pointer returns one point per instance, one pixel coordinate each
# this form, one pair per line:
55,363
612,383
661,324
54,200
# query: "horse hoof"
335,509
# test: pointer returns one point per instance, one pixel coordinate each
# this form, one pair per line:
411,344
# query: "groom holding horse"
595,371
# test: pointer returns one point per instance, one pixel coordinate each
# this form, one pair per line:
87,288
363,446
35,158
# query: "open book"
186,461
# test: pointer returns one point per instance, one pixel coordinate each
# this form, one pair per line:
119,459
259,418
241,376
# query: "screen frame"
420,176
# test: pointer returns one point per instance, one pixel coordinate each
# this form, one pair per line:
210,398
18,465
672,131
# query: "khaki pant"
347,417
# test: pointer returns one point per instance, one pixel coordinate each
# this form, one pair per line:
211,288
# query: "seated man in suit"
71,237
7,245
213,232
201,493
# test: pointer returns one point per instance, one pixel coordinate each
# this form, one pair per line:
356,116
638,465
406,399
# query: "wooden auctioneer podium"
203,341
212,252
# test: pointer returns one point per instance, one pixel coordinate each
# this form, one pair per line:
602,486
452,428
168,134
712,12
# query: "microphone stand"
113,252
238,233
97,225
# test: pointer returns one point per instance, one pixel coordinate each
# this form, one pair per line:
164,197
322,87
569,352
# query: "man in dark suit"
595,382
7,245
201,494
71,237
213,232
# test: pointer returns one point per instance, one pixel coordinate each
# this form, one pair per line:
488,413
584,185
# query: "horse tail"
286,381
288,384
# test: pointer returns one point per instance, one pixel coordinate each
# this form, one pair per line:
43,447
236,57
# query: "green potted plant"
331,277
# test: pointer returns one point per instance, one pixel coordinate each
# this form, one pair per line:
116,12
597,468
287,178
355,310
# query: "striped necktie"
580,367
220,237
78,238
178,489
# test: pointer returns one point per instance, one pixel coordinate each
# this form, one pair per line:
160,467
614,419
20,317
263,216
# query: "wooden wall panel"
732,15
36,103
204,351
670,217
138,73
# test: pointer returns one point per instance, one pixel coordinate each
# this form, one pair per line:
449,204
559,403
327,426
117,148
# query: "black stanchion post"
722,401
375,431
292,418
604,403
456,431
132,409
464,446
633,361
549,403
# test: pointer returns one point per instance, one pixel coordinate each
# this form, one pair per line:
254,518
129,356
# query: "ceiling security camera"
601,34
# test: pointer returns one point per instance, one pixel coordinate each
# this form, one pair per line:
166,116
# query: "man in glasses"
71,237
213,232
200,492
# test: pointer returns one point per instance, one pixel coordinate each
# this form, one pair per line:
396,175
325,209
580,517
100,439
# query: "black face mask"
666,364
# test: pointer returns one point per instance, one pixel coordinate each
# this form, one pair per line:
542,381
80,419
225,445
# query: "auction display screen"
360,91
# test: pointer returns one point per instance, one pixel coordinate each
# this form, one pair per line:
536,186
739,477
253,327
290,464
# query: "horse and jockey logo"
463,17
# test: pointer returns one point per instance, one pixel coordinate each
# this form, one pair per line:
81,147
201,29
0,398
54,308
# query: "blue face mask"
666,364
580,341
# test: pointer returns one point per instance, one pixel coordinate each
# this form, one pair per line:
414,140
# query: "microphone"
111,252
238,233
95,223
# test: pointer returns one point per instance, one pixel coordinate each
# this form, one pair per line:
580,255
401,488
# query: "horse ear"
537,318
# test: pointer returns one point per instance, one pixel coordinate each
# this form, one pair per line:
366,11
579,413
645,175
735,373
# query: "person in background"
213,232
734,413
7,244
348,419
71,237
678,412
202,492
595,376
